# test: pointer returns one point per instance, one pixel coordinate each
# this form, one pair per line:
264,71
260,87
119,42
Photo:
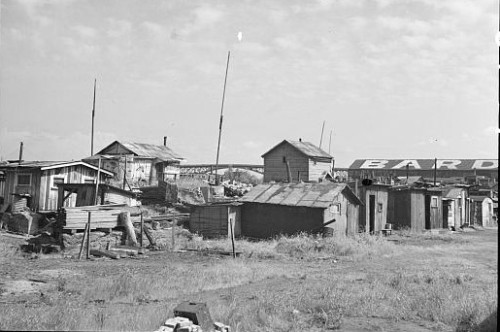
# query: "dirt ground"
30,281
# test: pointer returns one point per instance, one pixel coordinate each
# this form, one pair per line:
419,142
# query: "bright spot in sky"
240,35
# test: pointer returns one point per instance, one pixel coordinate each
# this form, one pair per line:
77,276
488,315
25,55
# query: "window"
88,180
434,202
335,208
56,180
24,179
380,207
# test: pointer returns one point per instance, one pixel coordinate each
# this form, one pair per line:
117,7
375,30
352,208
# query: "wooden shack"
417,209
37,181
482,213
273,209
373,215
138,165
216,219
295,161
454,207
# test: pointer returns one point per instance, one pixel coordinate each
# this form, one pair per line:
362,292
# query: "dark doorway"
372,213
446,207
427,212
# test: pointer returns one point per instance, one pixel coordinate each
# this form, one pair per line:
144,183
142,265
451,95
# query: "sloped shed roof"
452,192
46,165
306,148
316,195
146,150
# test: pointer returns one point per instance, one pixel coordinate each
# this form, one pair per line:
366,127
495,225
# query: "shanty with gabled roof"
288,208
138,164
34,184
295,161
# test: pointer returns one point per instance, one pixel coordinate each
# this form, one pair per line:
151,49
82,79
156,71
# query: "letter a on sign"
411,163
374,164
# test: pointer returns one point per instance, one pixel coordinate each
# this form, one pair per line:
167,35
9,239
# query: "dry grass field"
402,282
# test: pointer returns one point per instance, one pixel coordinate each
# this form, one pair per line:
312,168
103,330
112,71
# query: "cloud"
85,31
208,15
118,28
153,28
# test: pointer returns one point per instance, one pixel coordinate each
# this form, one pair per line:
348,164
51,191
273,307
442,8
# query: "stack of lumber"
102,216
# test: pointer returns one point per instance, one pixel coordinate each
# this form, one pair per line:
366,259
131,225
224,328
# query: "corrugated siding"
275,169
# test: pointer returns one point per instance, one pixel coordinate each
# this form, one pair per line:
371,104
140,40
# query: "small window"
434,202
89,180
24,179
380,207
57,180
335,208
284,159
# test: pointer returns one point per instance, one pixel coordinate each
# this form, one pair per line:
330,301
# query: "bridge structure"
199,169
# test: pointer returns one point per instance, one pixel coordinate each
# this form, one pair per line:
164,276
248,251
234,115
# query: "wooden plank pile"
102,216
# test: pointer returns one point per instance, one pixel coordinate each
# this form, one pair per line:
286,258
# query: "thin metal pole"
435,170
330,142
221,118
322,129
93,115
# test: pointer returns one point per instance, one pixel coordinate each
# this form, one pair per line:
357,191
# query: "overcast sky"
391,78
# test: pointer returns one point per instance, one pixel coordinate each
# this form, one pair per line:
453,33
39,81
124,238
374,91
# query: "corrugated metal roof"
145,150
319,195
150,150
306,148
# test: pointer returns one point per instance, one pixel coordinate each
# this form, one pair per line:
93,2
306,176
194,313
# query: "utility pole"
93,115
221,118
322,129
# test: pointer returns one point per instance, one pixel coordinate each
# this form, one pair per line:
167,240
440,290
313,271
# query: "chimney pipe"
21,152
164,140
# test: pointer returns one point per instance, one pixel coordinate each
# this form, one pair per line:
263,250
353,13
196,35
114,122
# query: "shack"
35,183
138,165
216,219
373,215
277,208
454,207
417,209
482,211
295,161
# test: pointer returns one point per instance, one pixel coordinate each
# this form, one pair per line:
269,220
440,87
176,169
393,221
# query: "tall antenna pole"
221,117
330,143
322,129
93,115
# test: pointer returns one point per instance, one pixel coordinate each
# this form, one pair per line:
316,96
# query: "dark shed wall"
268,220
213,221
275,169
399,209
